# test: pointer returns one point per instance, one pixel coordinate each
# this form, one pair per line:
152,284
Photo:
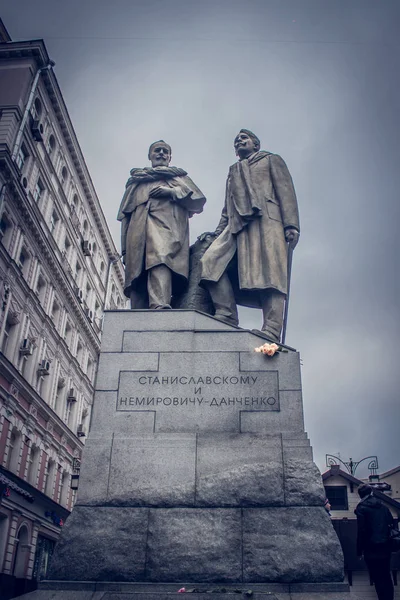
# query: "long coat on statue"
155,231
260,203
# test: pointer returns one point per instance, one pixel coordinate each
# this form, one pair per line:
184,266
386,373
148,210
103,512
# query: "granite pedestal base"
197,467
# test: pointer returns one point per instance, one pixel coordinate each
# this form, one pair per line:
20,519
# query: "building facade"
59,270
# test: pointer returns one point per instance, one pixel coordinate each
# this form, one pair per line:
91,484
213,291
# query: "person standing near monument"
373,540
247,263
154,215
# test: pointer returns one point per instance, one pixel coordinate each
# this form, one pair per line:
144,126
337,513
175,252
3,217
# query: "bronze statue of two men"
247,260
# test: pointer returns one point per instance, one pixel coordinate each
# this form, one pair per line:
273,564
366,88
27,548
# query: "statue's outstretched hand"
292,236
207,234
162,191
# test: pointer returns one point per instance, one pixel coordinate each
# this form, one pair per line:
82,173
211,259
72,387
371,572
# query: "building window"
88,293
89,368
8,327
38,191
23,261
4,225
44,551
79,352
59,397
5,230
68,334
67,248
53,221
64,176
51,144
55,313
21,158
23,256
78,273
69,410
41,288
337,496
36,109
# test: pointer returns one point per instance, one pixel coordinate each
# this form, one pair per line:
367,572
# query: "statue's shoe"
227,320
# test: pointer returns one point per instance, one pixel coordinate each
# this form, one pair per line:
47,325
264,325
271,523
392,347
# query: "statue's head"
160,154
246,143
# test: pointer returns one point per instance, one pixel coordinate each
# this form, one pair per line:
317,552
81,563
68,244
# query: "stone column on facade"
5,426
25,450
9,553
5,315
31,560
59,471
42,470
55,370
14,465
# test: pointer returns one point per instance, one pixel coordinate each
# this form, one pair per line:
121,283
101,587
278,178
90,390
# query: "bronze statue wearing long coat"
260,203
155,231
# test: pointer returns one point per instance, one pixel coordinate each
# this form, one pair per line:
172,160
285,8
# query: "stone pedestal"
197,467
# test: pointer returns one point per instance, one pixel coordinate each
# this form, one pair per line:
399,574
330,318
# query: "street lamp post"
351,465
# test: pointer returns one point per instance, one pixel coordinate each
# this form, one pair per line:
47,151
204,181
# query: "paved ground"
363,590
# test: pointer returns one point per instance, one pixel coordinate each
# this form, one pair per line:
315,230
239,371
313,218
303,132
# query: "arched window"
22,550
85,227
75,202
51,144
64,175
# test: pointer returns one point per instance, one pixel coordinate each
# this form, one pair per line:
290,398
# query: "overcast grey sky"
318,81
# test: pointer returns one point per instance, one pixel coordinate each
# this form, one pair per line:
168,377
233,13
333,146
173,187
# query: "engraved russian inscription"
249,391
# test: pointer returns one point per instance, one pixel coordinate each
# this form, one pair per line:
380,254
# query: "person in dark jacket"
373,541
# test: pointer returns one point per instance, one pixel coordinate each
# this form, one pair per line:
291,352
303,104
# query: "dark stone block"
194,545
303,483
239,470
290,545
100,544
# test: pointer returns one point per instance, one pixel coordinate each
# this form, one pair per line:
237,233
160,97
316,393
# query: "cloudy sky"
317,80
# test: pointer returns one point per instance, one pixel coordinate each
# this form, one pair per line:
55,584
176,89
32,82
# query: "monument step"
84,590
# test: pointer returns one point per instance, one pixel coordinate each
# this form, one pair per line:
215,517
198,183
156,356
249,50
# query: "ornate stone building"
59,269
